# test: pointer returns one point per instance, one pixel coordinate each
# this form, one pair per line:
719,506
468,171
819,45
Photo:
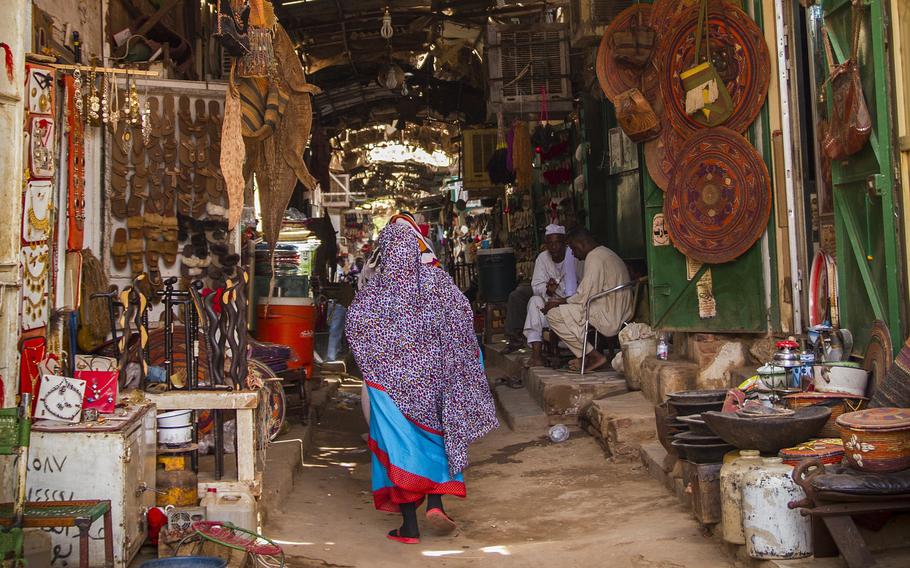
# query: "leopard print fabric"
412,332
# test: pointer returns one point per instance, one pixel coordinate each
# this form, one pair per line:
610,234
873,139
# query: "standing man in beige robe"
566,317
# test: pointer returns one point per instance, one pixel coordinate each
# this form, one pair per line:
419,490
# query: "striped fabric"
262,104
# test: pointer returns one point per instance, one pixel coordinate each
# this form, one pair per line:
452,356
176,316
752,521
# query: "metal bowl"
696,425
696,439
689,408
768,435
707,453
697,395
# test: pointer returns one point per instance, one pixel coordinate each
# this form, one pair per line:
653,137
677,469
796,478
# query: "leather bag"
850,126
636,117
635,45
707,99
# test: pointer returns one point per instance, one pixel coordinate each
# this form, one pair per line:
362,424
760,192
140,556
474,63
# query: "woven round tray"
664,11
879,355
661,154
739,53
719,200
616,78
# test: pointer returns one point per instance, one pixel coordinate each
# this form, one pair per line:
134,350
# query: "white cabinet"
114,460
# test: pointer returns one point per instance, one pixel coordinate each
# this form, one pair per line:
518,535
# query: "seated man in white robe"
566,316
555,276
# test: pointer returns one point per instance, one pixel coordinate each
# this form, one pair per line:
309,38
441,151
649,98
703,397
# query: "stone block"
620,423
676,376
561,393
715,364
658,378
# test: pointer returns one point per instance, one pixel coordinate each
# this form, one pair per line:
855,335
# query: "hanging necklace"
146,119
77,92
135,110
105,111
114,110
94,103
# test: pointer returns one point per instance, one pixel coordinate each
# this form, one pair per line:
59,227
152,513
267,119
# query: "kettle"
787,355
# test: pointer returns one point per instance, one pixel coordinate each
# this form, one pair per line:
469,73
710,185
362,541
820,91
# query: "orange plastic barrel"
291,322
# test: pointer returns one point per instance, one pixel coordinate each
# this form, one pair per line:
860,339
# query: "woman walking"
412,334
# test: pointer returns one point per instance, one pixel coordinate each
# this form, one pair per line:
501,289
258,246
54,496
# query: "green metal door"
868,266
737,288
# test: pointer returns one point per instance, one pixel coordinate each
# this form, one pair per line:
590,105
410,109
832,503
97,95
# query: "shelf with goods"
557,197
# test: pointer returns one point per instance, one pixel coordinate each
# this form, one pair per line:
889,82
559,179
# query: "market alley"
530,503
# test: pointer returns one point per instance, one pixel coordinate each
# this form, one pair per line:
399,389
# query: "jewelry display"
40,90
34,313
37,220
113,110
94,103
77,92
100,390
60,398
34,260
134,109
76,163
42,147
32,353
104,100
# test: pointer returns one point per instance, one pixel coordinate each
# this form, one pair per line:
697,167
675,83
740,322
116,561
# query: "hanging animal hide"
298,116
276,183
233,154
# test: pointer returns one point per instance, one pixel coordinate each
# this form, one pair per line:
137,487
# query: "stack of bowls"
175,427
694,441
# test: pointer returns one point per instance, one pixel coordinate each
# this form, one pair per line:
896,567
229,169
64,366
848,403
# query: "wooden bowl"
768,435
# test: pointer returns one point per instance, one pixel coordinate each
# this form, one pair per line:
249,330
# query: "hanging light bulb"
387,30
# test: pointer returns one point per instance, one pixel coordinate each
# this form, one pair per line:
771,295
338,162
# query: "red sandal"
393,535
441,523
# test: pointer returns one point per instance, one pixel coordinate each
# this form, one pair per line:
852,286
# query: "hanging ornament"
104,100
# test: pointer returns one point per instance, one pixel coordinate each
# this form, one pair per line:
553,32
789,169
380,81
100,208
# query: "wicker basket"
877,439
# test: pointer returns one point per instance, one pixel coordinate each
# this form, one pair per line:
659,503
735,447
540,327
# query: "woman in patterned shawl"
411,330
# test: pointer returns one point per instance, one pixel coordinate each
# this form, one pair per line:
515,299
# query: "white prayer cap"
555,230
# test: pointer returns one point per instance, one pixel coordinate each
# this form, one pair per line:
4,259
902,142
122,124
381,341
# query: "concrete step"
519,410
562,393
510,364
620,423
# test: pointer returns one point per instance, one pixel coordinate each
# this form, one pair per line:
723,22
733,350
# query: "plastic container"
496,274
773,530
175,418
633,354
291,322
731,495
185,562
235,507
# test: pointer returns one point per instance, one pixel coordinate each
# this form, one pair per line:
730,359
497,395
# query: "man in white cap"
555,277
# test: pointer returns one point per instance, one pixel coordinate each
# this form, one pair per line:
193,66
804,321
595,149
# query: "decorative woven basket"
877,439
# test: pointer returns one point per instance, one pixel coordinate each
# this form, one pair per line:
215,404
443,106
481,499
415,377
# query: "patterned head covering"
412,332
427,256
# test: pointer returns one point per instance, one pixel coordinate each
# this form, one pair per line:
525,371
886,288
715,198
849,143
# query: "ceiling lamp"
386,31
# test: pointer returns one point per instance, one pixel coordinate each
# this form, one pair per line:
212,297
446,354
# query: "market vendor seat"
636,286
15,430
835,494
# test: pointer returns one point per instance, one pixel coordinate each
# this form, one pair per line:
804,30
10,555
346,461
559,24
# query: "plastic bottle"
663,348
559,433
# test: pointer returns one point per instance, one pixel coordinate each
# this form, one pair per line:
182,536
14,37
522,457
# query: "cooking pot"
843,378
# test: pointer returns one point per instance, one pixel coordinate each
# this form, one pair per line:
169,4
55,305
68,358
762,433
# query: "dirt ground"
530,503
